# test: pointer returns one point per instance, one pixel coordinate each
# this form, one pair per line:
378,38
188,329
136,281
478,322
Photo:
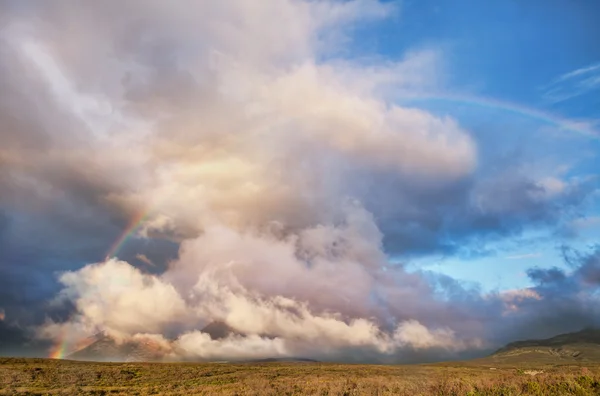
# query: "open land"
479,377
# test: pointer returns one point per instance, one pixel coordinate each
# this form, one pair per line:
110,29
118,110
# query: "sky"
361,180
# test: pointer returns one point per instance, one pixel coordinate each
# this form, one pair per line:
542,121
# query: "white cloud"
259,286
418,336
198,345
578,72
235,141
117,298
553,186
514,299
573,84
524,256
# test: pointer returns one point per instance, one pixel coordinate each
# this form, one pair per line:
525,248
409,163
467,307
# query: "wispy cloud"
581,225
524,256
144,259
573,84
580,71
586,222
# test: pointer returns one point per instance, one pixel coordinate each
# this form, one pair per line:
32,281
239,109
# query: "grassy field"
43,377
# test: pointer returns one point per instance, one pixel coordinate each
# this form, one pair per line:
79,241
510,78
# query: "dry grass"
48,377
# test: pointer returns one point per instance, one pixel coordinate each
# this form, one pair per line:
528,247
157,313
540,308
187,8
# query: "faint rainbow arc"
60,349
133,225
564,123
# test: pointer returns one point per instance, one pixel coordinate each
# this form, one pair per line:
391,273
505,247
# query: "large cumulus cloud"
324,293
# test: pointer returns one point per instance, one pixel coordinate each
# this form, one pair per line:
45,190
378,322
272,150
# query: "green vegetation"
52,377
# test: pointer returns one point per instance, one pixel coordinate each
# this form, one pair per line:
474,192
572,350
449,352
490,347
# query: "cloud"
580,225
543,276
579,72
586,222
524,256
119,296
573,84
589,271
290,313
314,302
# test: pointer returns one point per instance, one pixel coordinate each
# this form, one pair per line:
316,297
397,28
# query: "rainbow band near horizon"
59,351
61,348
472,100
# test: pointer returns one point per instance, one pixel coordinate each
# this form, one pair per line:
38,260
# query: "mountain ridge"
583,345
580,346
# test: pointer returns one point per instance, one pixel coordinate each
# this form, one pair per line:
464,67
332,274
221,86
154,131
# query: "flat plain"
478,377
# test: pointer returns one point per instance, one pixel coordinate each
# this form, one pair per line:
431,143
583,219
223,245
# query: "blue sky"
537,55
506,49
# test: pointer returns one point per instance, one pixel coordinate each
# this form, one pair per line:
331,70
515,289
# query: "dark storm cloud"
568,300
53,210
546,276
590,269
459,219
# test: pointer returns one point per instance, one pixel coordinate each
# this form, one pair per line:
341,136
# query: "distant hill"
102,348
580,346
106,349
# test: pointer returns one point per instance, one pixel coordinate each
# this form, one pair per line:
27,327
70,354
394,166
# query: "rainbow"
129,231
63,348
59,351
584,128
